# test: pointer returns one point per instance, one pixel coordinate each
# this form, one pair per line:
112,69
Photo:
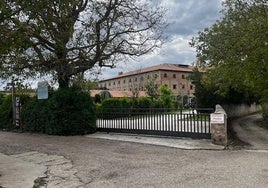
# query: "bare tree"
64,38
135,84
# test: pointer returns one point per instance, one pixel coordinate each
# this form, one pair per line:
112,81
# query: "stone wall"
241,109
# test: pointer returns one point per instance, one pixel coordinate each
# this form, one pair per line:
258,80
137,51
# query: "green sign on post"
42,90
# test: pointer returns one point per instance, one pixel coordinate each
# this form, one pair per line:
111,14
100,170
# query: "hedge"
6,113
66,112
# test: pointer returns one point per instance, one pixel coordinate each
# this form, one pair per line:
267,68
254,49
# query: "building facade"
176,77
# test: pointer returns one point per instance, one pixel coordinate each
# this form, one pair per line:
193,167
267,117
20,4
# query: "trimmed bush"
66,112
108,106
116,103
143,102
2,98
6,112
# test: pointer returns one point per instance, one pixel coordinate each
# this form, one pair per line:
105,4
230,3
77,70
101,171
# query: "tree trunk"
63,81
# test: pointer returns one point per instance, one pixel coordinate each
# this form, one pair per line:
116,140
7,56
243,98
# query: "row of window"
182,86
174,86
142,78
174,76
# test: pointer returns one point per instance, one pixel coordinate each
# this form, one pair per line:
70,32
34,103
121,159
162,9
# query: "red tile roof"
117,94
167,67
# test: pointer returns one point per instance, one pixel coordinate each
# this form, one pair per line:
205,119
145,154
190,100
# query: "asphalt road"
106,163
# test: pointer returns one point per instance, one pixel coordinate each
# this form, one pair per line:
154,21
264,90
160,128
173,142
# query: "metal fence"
166,122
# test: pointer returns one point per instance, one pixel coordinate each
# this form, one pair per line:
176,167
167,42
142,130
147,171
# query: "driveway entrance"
166,122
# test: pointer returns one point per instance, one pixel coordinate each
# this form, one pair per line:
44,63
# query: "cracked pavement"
59,170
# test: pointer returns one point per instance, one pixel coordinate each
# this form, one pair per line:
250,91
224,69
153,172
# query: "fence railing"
167,122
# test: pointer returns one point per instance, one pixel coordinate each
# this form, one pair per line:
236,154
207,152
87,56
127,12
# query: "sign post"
42,90
17,112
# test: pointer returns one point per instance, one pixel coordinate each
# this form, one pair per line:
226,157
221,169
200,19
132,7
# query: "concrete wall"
241,109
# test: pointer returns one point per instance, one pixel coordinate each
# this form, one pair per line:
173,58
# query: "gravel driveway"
105,163
248,130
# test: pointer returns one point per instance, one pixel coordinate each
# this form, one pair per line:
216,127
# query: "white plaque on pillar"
42,90
217,118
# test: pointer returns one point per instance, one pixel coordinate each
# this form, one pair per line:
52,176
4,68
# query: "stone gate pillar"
218,125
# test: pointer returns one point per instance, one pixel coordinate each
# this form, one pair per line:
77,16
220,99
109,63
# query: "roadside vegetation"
73,111
163,99
66,112
233,52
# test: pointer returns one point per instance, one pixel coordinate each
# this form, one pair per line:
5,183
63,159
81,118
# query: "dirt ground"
248,133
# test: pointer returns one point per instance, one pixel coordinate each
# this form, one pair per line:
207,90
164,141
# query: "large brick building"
176,77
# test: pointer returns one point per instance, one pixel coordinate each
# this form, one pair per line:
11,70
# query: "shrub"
6,112
2,97
97,98
66,112
115,107
143,102
24,98
34,115
166,96
116,103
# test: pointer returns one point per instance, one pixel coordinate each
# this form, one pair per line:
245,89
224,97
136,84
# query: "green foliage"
66,112
108,106
36,116
236,47
208,92
97,98
157,103
165,100
152,88
2,97
24,98
67,38
166,96
116,103
84,85
144,102
6,112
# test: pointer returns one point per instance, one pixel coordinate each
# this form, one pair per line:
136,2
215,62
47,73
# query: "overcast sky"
186,18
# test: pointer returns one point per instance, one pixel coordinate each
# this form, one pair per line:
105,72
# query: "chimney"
120,73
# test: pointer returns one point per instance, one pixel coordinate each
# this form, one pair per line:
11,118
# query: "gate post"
218,125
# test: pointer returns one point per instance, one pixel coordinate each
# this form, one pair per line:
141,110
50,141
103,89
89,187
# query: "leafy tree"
208,92
85,85
64,38
236,47
152,88
205,91
166,96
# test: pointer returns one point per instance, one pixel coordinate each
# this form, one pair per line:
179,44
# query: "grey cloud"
190,16
186,18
